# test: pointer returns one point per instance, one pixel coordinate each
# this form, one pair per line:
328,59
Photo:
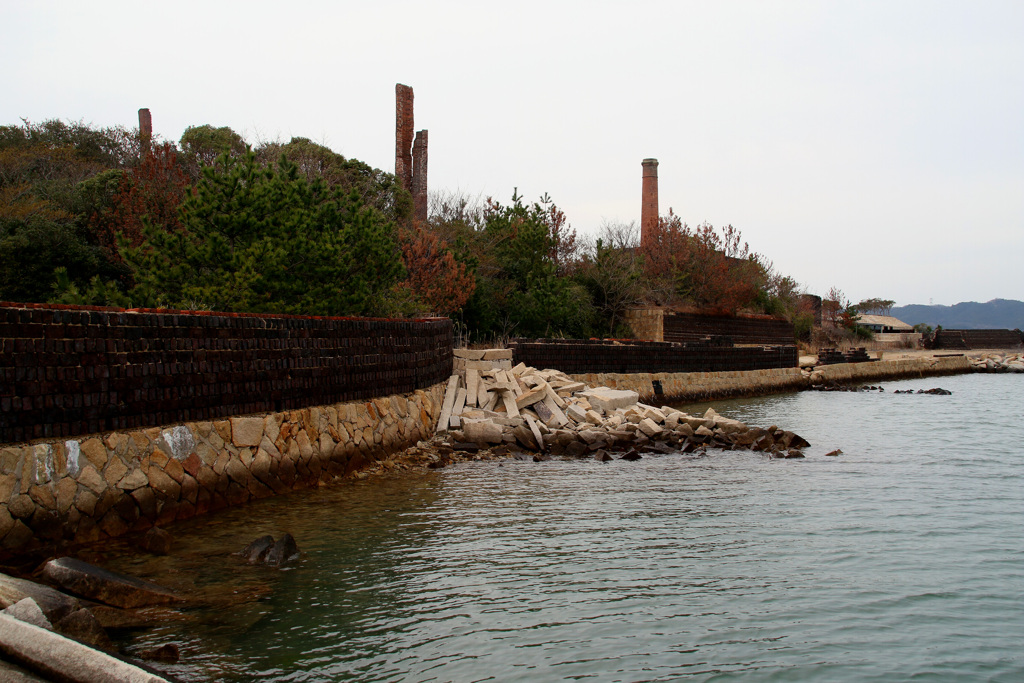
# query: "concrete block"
483,431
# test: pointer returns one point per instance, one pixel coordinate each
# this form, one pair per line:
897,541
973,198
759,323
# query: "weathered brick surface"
649,199
578,357
68,371
404,127
419,177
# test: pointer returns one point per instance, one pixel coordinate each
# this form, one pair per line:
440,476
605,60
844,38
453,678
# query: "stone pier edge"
87,488
684,387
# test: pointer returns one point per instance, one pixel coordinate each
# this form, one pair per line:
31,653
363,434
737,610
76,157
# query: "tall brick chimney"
145,130
403,135
649,203
419,177
410,155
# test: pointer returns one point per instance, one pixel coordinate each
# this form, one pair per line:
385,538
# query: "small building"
885,324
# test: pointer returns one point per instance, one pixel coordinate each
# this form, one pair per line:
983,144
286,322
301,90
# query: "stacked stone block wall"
598,356
88,488
67,371
646,323
978,339
688,327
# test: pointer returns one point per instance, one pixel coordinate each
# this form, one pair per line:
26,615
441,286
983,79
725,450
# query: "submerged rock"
255,552
168,653
157,541
284,550
265,550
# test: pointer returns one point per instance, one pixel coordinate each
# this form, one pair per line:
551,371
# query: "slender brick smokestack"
145,130
419,177
649,203
403,135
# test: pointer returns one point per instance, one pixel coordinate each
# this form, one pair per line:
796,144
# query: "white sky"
873,146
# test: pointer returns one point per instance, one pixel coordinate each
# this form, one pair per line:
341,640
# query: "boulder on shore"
102,585
54,604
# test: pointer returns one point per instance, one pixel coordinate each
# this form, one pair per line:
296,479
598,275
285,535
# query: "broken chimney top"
410,153
145,129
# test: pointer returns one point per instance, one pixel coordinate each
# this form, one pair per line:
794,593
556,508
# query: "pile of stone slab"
489,402
998,363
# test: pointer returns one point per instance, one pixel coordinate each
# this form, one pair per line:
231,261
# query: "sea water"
900,559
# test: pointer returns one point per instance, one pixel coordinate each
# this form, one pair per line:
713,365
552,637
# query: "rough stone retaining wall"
574,356
105,485
71,370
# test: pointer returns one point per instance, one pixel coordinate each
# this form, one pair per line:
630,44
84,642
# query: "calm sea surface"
901,559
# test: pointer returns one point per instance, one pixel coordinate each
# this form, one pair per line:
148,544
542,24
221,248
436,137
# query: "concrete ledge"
61,659
700,386
894,369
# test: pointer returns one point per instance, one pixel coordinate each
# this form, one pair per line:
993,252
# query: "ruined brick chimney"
649,203
410,155
145,130
403,135
419,177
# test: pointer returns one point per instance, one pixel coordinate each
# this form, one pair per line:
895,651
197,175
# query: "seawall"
103,485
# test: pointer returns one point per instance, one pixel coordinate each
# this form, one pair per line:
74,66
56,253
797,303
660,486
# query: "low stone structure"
104,485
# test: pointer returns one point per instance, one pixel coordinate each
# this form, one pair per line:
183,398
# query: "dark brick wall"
690,327
977,339
596,356
66,371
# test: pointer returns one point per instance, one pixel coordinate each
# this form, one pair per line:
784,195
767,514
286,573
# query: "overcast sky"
873,146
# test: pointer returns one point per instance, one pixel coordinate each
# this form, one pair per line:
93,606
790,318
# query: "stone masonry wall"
67,371
646,323
103,485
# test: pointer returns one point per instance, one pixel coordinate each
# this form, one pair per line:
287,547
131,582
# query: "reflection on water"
901,558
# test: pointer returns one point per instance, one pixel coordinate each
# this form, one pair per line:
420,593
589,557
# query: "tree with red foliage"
153,191
704,267
435,277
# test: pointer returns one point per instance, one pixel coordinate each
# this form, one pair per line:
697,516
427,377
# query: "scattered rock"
54,604
102,585
631,456
837,451
83,626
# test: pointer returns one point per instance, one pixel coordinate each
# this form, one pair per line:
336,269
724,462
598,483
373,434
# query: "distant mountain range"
998,314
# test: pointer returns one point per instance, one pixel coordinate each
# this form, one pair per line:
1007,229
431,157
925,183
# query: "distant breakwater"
705,386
